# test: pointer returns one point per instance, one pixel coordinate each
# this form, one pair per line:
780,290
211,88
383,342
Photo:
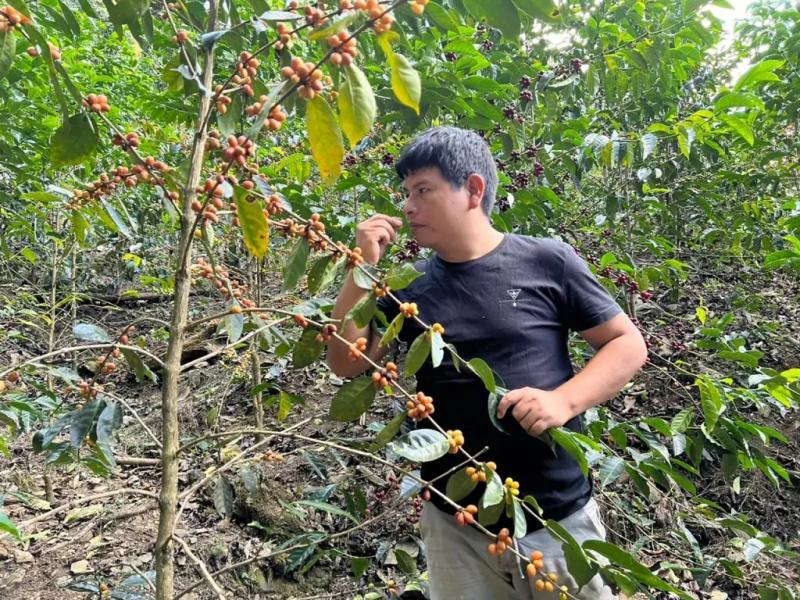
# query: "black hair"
457,153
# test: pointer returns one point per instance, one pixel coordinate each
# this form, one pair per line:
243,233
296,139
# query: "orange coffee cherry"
437,328
409,309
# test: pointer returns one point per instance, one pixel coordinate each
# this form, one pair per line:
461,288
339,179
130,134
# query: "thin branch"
201,566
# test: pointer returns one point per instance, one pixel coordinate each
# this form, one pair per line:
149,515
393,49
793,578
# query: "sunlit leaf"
325,138
406,84
421,445
353,399
74,141
255,231
357,108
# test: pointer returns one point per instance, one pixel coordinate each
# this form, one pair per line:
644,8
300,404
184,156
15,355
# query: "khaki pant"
460,568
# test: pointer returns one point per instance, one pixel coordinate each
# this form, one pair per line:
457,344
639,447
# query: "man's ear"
476,187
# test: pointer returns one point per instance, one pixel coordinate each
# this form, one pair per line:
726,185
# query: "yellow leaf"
357,107
325,138
255,230
405,81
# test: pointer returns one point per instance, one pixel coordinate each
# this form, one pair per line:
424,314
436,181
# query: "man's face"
433,207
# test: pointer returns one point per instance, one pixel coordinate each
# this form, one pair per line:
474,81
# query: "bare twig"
201,566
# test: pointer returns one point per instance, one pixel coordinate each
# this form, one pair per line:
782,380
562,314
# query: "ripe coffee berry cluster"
512,487
421,407
314,16
383,20
131,140
106,184
357,348
55,53
548,584
455,439
290,227
409,309
380,289
418,6
274,204
354,257
536,564
304,73
96,103
466,516
223,101
247,69
276,115
222,282
478,475
346,49
239,149
437,328
381,378
10,17
301,320
181,37
271,456
11,381
501,544
327,333
285,36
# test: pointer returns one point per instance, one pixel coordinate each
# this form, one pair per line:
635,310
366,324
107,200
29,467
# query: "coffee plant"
216,156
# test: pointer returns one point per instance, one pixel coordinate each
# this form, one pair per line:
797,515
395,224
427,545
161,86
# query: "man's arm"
372,236
621,352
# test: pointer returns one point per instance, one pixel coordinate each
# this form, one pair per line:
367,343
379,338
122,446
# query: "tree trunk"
164,550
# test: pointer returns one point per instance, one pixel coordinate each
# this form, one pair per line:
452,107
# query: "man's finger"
507,401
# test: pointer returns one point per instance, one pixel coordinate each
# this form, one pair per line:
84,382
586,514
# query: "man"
510,300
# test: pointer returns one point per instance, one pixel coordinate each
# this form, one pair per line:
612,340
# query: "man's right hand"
374,235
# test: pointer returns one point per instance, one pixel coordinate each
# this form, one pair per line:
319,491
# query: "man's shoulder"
539,249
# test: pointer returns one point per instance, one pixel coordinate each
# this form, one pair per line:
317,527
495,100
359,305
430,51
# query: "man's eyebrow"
419,183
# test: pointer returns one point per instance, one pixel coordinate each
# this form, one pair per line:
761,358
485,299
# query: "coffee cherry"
421,407
181,37
357,348
409,309
455,440
437,328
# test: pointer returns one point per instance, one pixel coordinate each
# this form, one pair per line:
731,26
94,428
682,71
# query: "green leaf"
140,370
328,508
734,99
492,404
520,522
501,14
441,17
437,349
74,141
8,525
533,503
711,401
460,485
490,514
325,138
401,276
387,434
649,142
229,122
405,562
418,353
494,493
484,371
307,349
421,445
295,265
357,108
363,311
359,566
8,47
90,333
611,468
335,27
393,330
762,71
255,231
564,439
578,564
263,115
233,325
739,126
544,10
406,84
681,421
323,273
619,557
352,400
82,420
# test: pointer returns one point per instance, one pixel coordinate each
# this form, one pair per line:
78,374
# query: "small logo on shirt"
513,294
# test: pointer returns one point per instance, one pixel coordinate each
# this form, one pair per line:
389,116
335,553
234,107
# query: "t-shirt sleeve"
586,303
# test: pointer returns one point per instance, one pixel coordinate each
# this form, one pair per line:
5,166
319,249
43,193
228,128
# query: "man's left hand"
536,410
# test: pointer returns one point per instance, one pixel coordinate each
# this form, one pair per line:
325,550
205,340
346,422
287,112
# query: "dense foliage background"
618,127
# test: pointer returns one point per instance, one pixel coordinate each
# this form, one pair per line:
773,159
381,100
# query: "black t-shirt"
513,308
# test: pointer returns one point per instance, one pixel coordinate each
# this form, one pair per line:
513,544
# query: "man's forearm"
605,374
338,356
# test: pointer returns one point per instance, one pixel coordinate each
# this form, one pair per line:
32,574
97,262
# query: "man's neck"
469,245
